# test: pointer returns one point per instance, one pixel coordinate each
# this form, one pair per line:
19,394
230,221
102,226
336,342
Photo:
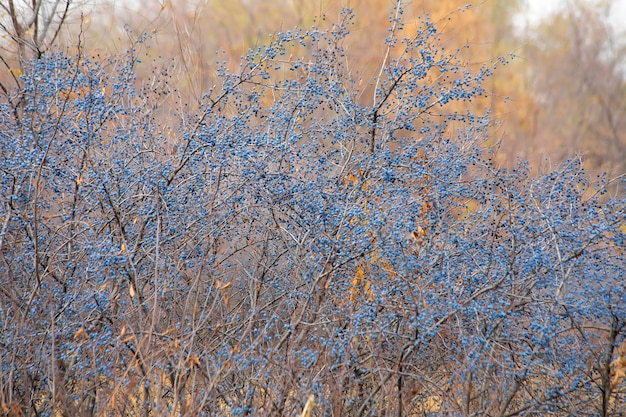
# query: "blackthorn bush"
296,233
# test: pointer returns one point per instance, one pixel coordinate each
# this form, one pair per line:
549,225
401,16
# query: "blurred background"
559,90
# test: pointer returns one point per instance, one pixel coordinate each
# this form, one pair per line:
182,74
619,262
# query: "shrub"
296,233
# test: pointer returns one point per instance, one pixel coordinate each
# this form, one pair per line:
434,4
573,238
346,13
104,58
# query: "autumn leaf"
356,282
80,334
193,361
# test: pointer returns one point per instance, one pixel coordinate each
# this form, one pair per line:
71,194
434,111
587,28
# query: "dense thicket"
281,240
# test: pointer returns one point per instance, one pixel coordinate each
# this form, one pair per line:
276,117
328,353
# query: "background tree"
579,79
33,27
